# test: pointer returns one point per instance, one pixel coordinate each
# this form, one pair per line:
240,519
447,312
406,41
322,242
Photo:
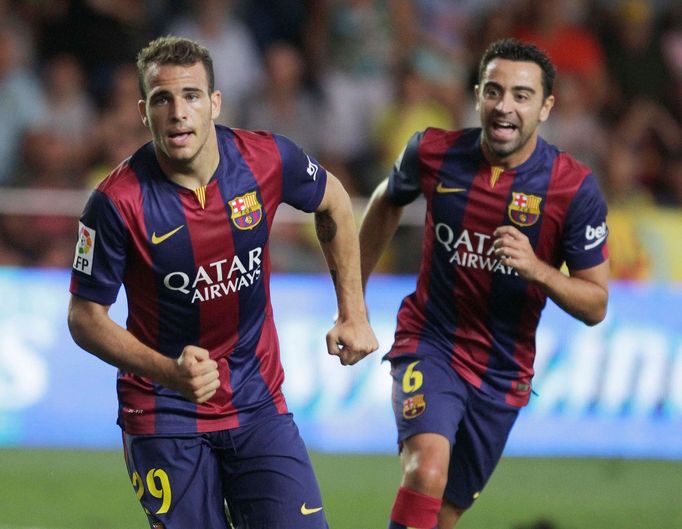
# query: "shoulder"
438,140
123,183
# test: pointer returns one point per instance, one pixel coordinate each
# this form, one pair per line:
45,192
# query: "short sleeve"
100,257
586,232
403,183
304,180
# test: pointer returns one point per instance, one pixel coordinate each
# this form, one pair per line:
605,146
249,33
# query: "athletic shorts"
259,473
430,397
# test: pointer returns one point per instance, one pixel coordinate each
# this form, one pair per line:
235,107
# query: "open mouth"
179,138
503,129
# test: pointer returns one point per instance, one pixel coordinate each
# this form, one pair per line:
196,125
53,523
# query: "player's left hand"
351,340
514,249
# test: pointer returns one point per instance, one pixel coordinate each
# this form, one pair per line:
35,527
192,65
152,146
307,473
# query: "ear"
478,107
546,108
142,109
216,102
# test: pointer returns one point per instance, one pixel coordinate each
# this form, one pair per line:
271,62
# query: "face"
179,111
511,106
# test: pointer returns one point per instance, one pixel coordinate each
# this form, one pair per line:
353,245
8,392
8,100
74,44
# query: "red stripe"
474,283
563,186
136,393
263,158
218,314
267,352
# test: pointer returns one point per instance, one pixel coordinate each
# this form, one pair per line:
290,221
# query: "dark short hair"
174,50
515,50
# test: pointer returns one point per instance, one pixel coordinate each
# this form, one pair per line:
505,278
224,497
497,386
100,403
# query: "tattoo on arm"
325,226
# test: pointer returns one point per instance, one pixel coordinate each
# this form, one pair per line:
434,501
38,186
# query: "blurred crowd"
348,80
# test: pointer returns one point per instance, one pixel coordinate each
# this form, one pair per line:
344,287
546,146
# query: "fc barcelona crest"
524,210
247,212
414,406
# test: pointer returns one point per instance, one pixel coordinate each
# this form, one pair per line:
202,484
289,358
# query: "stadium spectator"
634,55
71,111
284,104
355,44
504,210
551,25
237,62
199,383
22,100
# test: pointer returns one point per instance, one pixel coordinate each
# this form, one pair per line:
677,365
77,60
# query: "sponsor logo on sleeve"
312,168
595,236
85,249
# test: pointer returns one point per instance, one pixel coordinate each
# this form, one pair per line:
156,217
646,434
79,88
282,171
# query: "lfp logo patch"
247,212
524,210
85,249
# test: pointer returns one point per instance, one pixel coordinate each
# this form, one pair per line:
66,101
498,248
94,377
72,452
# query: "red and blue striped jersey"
195,268
468,304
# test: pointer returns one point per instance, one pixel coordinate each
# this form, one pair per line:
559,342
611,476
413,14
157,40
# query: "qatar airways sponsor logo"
219,278
471,249
595,236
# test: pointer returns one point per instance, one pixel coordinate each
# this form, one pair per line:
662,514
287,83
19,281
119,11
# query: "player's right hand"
196,377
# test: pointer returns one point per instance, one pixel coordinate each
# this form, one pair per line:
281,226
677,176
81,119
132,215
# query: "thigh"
177,481
428,397
269,481
478,447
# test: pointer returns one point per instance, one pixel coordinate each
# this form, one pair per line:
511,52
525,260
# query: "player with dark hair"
504,210
184,224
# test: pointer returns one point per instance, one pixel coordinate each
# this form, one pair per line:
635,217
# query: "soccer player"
504,210
183,224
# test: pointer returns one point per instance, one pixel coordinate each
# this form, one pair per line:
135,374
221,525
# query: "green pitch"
52,489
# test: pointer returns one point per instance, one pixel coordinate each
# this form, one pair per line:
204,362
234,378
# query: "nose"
504,103
178,109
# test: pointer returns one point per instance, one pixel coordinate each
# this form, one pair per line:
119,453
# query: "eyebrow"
519,88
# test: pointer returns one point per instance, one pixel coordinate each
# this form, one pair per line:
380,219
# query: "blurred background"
599,446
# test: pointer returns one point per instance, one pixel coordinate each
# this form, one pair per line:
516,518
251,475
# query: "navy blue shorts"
430,397
260,473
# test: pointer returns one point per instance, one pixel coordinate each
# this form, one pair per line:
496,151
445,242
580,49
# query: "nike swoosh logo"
440,188
158,239
305,511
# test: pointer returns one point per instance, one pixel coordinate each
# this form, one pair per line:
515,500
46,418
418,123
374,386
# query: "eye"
491,91
160,100
192,96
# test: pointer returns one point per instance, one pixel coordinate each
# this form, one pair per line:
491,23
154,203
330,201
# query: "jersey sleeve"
304,180
100,257
586,232
403,182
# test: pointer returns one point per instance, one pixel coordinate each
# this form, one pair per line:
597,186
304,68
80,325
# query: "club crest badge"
414,406
524,210
246,211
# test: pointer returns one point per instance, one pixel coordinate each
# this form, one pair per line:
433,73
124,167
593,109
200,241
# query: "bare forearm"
379,224
99,335
582,299
336,231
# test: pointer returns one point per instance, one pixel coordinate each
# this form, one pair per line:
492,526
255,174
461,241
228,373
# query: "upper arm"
83,316
334,194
